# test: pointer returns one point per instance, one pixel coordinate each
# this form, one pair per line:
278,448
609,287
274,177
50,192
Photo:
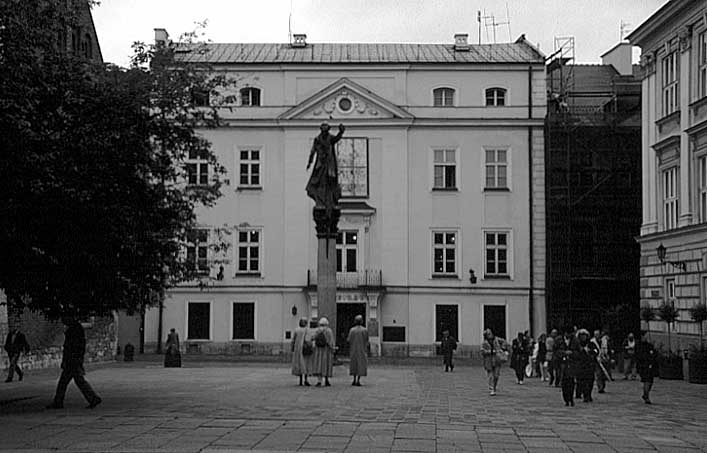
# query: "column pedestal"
327,230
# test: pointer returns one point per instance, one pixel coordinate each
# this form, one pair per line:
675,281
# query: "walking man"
448,345
602,362
15,345
358,351
72,366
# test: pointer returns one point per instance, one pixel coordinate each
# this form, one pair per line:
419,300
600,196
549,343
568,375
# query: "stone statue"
323,186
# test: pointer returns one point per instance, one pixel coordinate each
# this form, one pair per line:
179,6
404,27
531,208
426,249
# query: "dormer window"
250,96
495,97
443,97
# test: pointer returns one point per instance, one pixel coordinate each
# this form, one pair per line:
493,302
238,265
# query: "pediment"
343,100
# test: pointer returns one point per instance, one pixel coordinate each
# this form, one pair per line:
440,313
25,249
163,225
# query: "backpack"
320,339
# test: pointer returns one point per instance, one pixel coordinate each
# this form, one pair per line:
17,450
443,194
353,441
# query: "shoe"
94,403
358,384
572,403
20,376
327,384
55,406
306,384
451,369
492,393
625,378
567,403
520,382
602,391
318,384
8,380
353,383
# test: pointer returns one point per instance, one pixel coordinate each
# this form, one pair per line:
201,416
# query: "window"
496,250
87,46
444,252
496,169
394,334
346,249
702,187
495,319
198,321
250,96
197,168
198,251
244,321
443,97
352,163
702,65
670,290
445,169
446,318
200,97
249,168
249,241
495,97
669,74
670,198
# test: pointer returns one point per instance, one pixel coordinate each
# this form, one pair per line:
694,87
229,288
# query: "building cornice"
388,123
666,143
666,13
697,128
674,233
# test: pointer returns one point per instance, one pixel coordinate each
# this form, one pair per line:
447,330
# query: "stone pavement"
225,407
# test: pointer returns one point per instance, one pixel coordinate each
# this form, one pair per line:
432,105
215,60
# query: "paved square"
231,407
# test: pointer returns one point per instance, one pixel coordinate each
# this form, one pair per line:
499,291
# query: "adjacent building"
673,235
593,176
443,214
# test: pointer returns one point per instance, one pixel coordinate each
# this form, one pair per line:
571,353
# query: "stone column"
327,230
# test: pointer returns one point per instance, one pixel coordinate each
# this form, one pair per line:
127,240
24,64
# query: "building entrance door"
345,314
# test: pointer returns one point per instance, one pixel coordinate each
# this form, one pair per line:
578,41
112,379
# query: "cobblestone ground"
219,407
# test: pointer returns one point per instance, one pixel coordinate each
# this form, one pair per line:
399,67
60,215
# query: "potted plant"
670,363
697,359
647,315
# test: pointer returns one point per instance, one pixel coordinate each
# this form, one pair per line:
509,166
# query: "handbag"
307,348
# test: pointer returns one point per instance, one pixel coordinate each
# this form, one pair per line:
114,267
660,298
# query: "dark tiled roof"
331,53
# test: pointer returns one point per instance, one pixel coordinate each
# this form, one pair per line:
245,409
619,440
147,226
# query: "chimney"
461,42
161,37
620,57
299,40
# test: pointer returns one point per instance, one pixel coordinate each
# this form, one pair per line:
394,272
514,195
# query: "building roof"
357,53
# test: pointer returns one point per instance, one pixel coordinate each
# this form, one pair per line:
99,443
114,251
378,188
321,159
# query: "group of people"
313,352
573,361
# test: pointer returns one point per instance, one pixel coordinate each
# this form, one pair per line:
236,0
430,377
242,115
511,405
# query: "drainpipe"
531,273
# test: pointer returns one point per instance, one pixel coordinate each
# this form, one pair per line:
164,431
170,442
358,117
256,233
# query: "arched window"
495,96
250,96
443,97
88,49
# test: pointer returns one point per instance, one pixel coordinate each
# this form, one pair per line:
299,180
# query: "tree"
668,314
698,313
94,205
647,315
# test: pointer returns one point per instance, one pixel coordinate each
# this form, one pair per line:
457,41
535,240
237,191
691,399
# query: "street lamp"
472,277
661,251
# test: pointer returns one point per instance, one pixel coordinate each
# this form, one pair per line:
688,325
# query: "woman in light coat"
323,353
301,363
493,351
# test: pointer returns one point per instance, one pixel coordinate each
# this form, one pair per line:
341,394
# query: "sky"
594,24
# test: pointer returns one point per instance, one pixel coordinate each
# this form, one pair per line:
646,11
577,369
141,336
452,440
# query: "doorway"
495,319
345,314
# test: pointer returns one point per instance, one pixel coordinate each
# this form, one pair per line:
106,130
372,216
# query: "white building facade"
443,208
674,229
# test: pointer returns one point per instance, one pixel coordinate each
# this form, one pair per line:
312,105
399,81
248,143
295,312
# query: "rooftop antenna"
289,25
490,21
625,29
478,19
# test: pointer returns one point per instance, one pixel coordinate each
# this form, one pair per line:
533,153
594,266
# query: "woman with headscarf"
323,353
493,352
302,351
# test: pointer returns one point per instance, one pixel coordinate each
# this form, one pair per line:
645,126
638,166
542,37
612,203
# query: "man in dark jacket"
584,359
563,351
448,345
15,345
72,366
646,365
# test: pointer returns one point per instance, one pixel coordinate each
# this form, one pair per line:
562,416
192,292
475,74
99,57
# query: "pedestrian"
72,365
15,344
541,357
561,341
448,346
519,357
172,355
629,347
566,374
302,352
493,352
549,363
584,357
608,352
602,361
323,353
358,351
646,365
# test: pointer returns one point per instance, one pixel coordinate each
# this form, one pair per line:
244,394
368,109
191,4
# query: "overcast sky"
595,24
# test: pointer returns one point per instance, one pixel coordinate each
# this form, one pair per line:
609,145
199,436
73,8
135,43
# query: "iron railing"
371,278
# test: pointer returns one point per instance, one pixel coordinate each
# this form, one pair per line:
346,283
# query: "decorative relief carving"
685,38
648,63
359,107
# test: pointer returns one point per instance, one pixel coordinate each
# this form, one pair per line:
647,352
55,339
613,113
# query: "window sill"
445,277
668,118
249,189
497,189
699,102
445,189
497,277
242,340
198,340
248,274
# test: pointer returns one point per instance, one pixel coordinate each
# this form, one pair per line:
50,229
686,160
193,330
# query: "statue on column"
323,186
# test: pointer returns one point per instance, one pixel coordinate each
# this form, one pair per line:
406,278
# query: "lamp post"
661,251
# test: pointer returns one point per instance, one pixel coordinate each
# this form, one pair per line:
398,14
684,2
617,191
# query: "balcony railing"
369,278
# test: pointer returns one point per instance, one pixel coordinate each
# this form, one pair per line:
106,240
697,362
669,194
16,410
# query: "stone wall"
46,338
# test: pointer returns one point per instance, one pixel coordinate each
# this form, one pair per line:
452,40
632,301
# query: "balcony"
369,278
